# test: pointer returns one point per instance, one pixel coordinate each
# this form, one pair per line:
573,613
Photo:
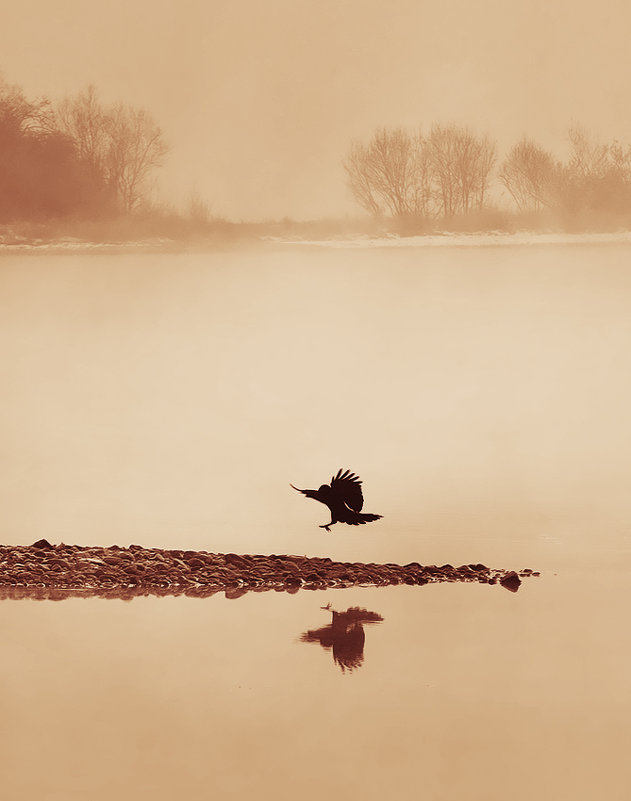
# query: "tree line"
452,173
77,157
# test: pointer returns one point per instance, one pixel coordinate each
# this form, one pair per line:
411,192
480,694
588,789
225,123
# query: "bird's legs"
327,526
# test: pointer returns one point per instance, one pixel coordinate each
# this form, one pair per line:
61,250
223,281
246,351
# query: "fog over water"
481,393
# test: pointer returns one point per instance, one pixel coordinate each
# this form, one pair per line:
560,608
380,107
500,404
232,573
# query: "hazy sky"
259,99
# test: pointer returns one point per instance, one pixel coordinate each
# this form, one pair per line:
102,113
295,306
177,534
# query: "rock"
511,581
234,560
232,593
42,545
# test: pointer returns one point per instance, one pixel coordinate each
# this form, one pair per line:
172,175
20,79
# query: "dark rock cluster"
43,570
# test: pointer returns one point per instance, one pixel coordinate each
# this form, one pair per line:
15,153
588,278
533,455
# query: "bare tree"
595,184
18,115
588,158
360,181
85,120
136,148
41,172
528,173
620,160
389,175
121,143
422,194
461,165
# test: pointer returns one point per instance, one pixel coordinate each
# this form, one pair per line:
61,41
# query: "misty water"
483,396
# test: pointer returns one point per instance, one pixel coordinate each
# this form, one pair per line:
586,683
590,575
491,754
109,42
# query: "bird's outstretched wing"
348,487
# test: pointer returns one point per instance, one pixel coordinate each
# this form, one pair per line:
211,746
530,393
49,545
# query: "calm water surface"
483,395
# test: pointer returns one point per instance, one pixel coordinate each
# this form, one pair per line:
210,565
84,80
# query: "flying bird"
344,498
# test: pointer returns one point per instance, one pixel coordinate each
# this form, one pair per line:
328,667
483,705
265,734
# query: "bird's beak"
296,488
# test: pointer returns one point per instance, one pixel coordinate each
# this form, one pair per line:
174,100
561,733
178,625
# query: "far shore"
456,239
69,245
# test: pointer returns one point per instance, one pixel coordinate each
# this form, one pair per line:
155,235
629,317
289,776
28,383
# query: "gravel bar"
55,572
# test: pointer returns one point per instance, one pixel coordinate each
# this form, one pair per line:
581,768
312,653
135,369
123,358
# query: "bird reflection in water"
345,635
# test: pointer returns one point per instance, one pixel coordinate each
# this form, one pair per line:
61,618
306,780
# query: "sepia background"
479,385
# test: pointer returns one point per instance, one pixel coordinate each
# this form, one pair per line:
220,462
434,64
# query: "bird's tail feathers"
363,517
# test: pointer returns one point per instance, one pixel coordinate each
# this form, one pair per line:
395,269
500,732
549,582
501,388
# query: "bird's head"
318,495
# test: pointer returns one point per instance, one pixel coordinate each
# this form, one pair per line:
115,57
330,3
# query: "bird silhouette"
344,498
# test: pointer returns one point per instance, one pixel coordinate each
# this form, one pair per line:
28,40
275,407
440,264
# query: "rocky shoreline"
55,572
